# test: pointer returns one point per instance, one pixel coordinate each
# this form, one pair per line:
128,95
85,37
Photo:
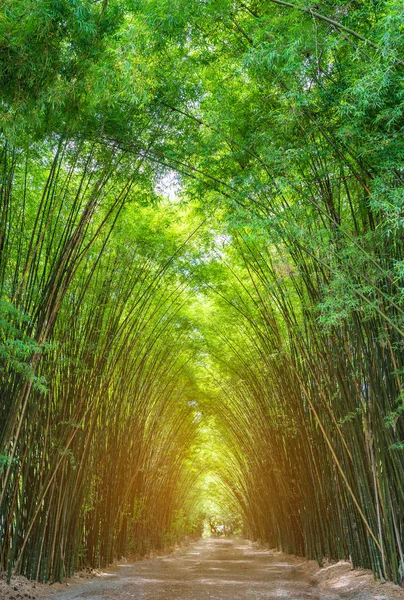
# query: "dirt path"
215,569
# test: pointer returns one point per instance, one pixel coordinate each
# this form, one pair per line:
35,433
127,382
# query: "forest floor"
221,569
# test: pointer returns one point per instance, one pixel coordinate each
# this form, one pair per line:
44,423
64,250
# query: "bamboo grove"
85,449
251,327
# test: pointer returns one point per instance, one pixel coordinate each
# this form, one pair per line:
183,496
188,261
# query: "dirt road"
215,569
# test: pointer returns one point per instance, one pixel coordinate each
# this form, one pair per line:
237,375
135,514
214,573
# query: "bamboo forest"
201,280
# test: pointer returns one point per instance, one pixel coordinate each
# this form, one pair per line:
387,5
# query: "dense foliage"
238,337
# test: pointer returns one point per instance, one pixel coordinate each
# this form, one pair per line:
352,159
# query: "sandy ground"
219,569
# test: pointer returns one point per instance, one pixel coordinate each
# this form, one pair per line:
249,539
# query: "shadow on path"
211,569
